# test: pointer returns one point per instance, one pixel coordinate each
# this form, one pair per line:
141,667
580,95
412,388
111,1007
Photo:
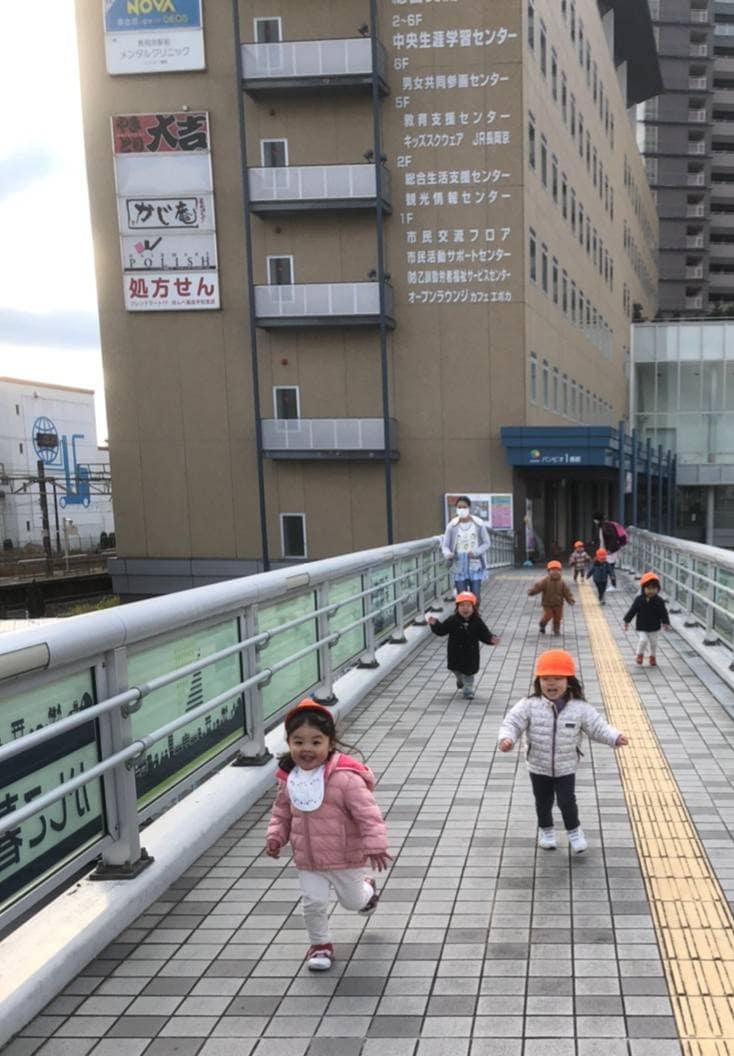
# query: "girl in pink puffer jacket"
325,807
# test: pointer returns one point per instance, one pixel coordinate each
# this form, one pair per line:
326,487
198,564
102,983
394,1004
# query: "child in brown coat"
554,591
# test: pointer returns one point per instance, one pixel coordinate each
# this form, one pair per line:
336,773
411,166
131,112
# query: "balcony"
694,304
695,210
697,116
694,241
722,192
723,98
700,50
722,161
699,147
343,439
694,272
317,189
312,66
698,84
699,16
321,304
696,179
722,221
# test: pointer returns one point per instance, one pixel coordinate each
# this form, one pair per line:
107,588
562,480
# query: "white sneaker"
577,841
547,839
611,590
320,957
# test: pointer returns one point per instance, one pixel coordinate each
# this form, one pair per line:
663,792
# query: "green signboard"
36,848
169,760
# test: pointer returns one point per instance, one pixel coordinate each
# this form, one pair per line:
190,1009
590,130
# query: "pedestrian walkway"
482,945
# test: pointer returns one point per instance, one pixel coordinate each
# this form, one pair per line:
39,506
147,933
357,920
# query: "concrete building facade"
432,221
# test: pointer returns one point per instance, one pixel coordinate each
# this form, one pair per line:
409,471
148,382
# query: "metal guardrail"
310,58
313,183
696,578
108,718
327,434
320,299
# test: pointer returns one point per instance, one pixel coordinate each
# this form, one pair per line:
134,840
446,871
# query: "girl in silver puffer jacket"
553,721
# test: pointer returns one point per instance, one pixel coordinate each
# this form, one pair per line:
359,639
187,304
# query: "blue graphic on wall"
136,15
54,452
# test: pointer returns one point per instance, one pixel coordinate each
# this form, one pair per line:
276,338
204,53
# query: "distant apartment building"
56,426
340,247
687,137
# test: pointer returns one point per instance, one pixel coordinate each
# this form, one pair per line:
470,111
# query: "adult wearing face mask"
464,545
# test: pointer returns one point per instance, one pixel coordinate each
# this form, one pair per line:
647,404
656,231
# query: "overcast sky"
48,304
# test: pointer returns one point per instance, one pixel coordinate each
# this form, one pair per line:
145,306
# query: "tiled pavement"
482,945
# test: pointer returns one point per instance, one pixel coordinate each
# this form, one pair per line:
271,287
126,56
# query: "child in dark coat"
466,629
601,572
651,613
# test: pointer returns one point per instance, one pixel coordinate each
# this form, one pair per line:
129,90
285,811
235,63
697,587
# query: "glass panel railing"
326,434
351,643
303,183
408,586
307,58
295,679
39,846
381,580
169,761
318,299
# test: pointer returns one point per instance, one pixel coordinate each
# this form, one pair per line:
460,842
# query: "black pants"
563,790
601,588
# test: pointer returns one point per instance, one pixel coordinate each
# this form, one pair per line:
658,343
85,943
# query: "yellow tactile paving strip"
694,925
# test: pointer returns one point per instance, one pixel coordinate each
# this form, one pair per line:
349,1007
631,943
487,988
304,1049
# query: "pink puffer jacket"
346,828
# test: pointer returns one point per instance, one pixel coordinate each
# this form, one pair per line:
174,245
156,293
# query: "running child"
651,613
466,629
579,560
601,572
554,591
553,720
325,807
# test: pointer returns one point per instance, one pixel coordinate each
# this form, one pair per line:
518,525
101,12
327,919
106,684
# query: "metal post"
709,635
648,485
124,859
635,453
674,491
325,693
368,657
45,529
56,514
380,233
255,373
254,751
659,510
669,494
398,637
621,477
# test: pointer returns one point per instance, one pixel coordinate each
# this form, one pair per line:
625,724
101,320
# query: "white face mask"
463,511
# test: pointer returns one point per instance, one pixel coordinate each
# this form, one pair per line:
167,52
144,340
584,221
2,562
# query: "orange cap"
578,544
649,577
466,595
601,554
555,662
307,704
554,564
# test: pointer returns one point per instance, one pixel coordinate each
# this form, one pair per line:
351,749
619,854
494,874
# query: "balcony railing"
698,49
699,147
695,210
694,242
697,116
696,179
322,304
694,303
697,83
695,272
318,63
347,438
309,187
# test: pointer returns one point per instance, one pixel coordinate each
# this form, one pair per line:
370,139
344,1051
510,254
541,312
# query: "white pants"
646,638
351,889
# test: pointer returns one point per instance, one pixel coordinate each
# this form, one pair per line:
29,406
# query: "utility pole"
44,516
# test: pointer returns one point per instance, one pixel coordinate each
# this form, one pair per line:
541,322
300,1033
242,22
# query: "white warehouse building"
56,425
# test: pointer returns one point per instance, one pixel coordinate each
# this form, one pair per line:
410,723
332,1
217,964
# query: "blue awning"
569,447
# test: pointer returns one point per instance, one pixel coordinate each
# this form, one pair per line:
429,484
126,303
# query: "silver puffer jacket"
553,737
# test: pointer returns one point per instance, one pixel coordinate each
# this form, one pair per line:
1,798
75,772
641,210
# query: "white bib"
306,788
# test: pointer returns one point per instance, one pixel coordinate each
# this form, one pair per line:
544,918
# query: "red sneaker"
639,658
653,662
320,958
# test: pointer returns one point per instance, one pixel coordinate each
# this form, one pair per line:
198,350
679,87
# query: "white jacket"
553,737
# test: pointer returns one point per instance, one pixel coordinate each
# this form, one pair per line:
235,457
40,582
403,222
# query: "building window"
20,448
581,135
274,153
544,267
611,131
533,378
555,280
544,161
564,196
564,97
531,141
280,271
543,49
564,391
293,534
594,82
564,292
573,211
286,402
573,116
533,255
17,408
28,526
554,75
581,43
545,384
556,405
588,150
581,224
573,399
572,22
573,301
531,25
554,178
268,30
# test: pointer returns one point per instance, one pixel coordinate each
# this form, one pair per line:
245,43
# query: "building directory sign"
153,36
165,211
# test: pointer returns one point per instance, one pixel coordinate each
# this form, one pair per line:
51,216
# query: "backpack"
620,532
